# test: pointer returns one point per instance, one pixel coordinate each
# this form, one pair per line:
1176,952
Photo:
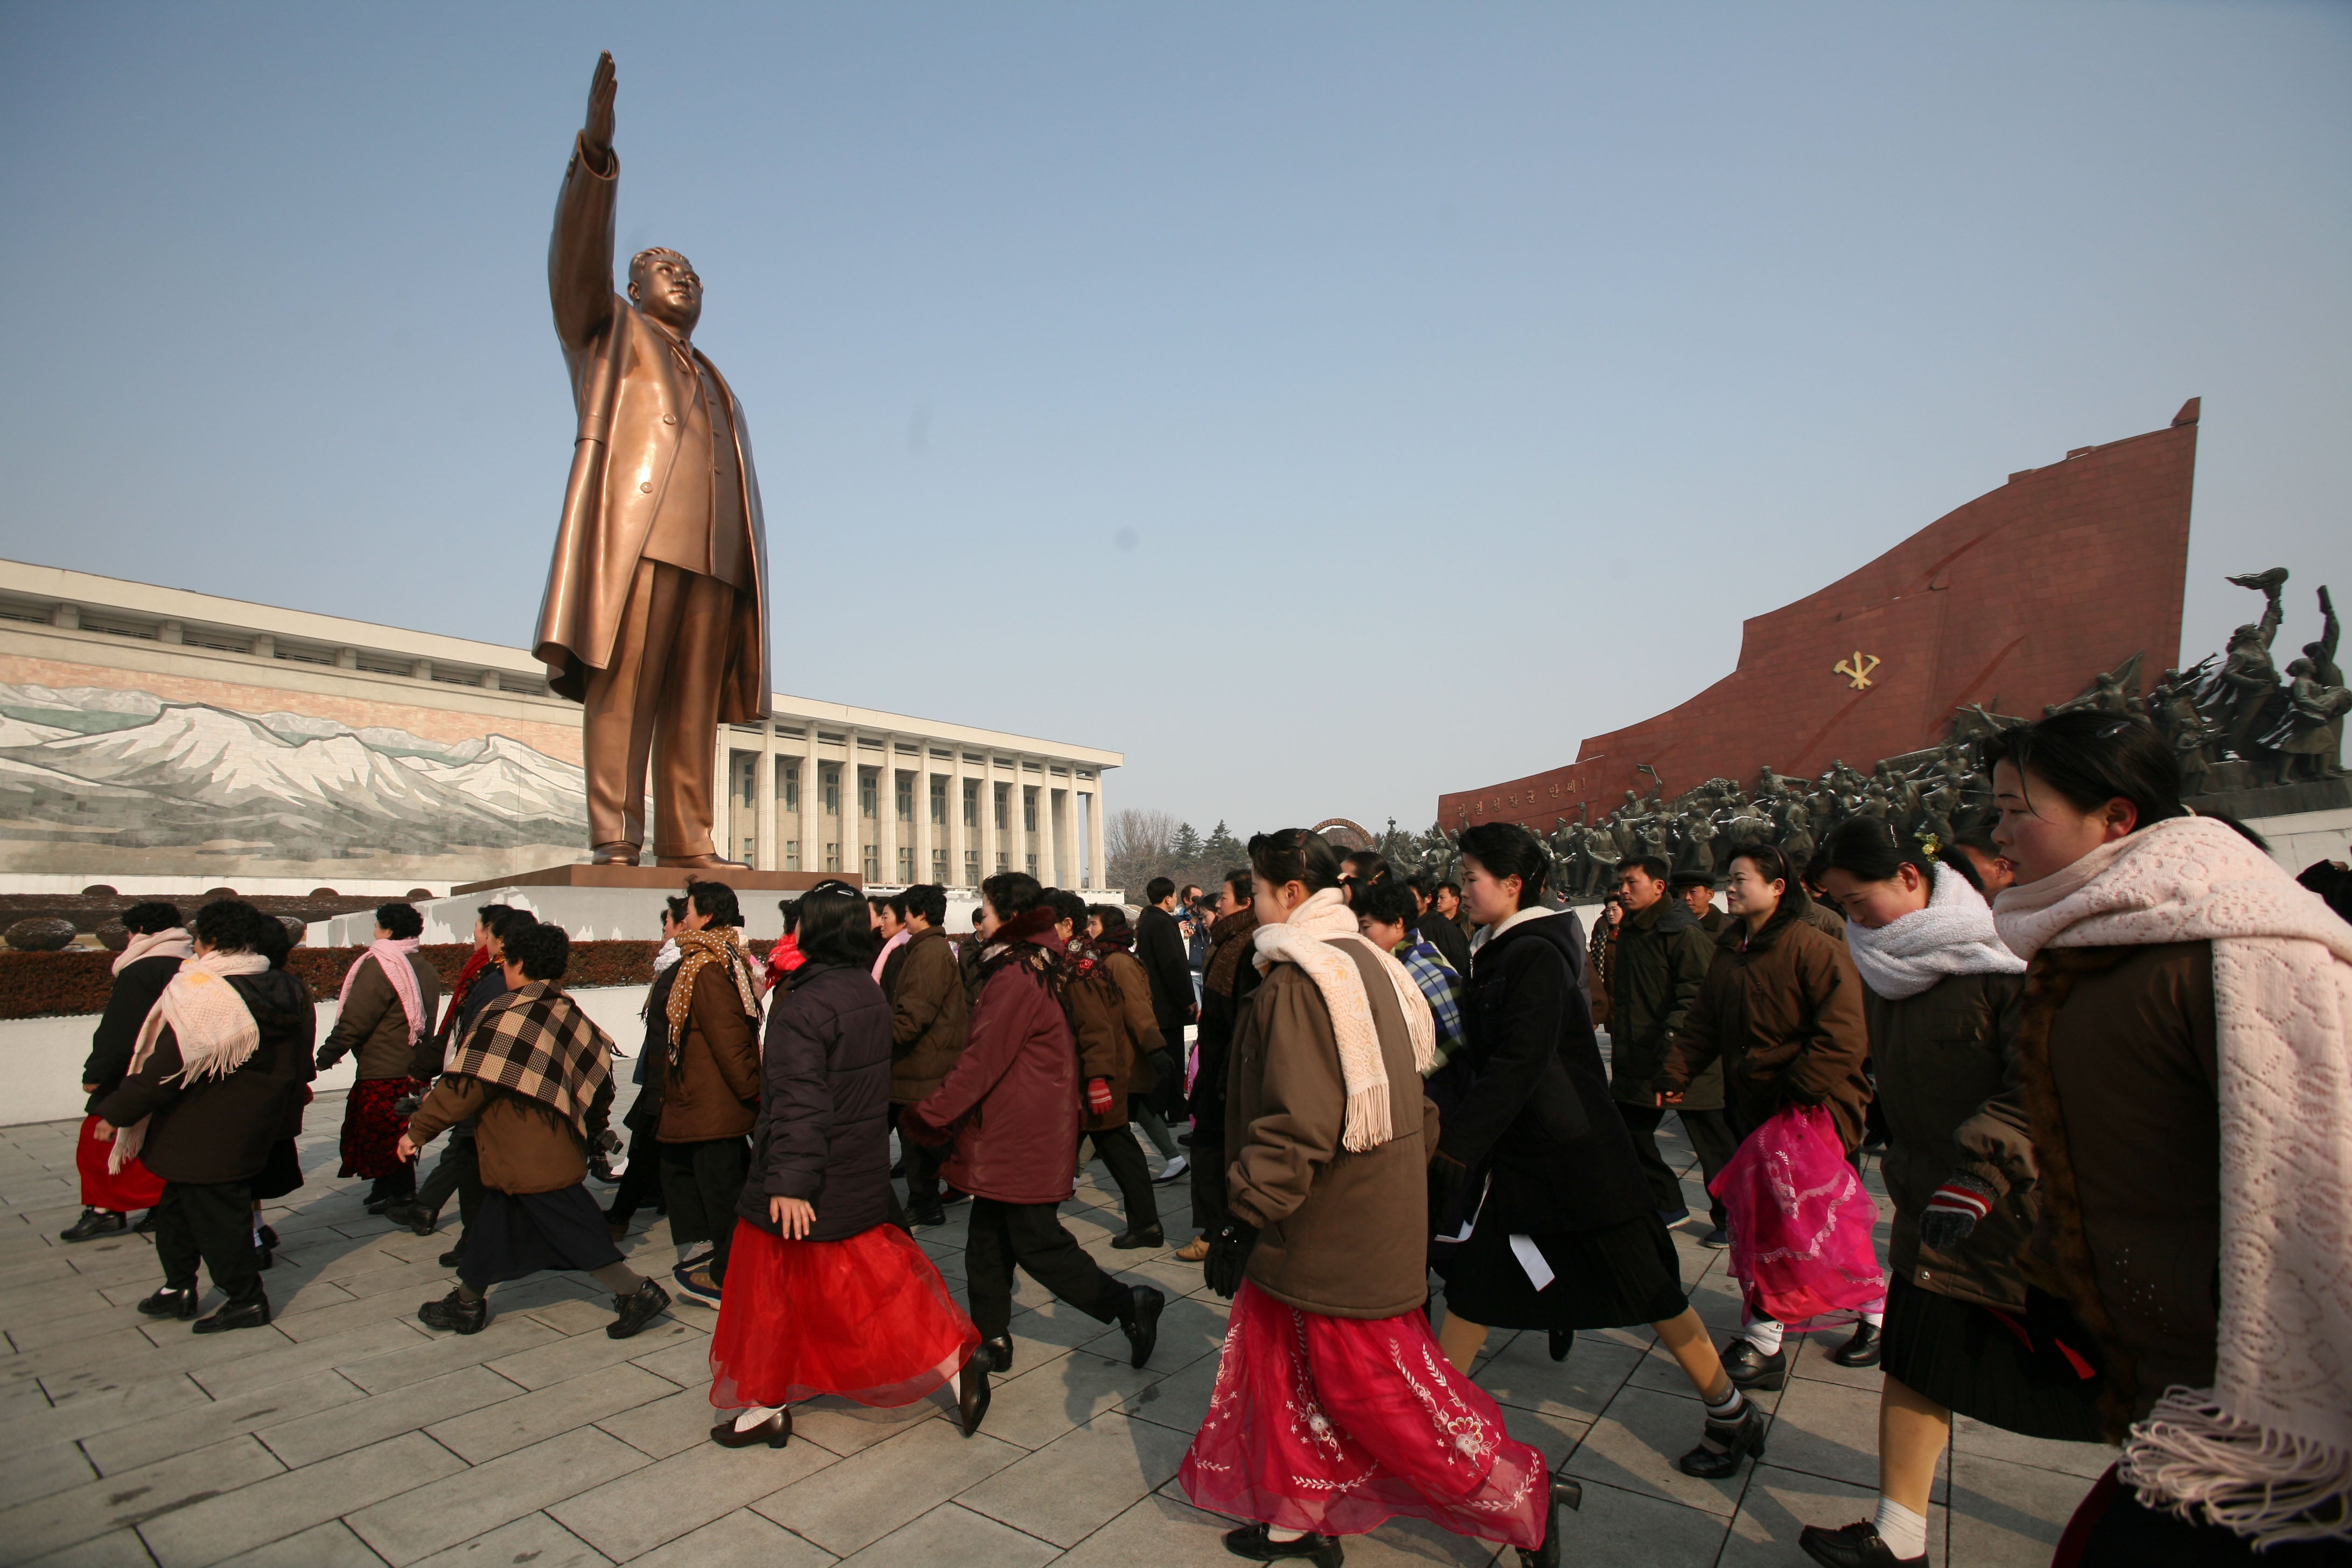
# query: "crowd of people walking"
2098,1046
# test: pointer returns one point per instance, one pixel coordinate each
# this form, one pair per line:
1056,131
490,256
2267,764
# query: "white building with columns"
155,737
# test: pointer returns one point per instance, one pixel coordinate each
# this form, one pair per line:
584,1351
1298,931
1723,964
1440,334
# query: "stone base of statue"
595,903
668,878
2274,800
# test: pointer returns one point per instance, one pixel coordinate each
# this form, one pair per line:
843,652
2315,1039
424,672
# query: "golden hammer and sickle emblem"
1857,668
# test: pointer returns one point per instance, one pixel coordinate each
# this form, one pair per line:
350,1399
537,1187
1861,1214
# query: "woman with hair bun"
1941,999
2187,1080
1334,1410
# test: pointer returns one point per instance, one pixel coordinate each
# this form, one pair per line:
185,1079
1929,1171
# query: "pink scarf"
172,944
214,1029
893,945
390,955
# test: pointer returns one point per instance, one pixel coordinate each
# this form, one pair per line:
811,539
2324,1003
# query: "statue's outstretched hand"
597,131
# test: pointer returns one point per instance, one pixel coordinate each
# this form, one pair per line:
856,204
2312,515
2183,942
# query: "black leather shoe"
1571,1494
1559,1342
972,1393
253,1314
146,1226
170,1303
410,1213
1141,1321
775,1432
1860,1350
997,1352
95,1223
927,1214
1855,1546
637,1308
454,1256
455,1313
1751,1368
1745,1443
263,1255
1130,1240
1718,1238
1253,1541
268,1236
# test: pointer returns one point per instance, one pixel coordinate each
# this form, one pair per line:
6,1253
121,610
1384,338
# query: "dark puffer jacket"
824,1134
1011,1103
1539,1106
220,1129
135,992
1660,962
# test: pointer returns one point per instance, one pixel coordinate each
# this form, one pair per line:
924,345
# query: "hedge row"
40,985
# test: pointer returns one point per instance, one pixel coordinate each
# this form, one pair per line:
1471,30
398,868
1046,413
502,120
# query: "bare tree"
1137,845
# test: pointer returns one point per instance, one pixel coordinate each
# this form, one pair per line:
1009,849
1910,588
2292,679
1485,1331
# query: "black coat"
220,1129
1219,1018
824,1134
1159,948
1446,937
127,1006
1538,1108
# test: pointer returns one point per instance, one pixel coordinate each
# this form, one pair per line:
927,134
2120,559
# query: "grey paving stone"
287,1359
2088,1461
528,1418
149,1492
534,1538
1034,1408
626,1518
37,1472
670,1425
143,1442
561,1358
841,1426
26,1308
328,1545
95,1411
1827,1429
1161,1530
1067,1491
950,1533
2005,1514
1523,1374
1632,1446
118,1549
741,1540
852,1504
286,1504
1779,1503
685,1363
438,1353
363,1421
1619,1526
1189,1330
415,1525
1179,1401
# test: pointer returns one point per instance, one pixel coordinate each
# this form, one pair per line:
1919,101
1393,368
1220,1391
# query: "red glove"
1098,1096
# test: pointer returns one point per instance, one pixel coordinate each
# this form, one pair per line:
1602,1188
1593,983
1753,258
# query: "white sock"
1875,1317
257,1231
1764,1334
1904,1532
1275,1533
759,1413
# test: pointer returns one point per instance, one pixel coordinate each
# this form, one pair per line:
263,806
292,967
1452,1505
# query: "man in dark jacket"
1695,891
928,1016
149,958
204,1101
1438,932
1159,948
1227,984
1662,960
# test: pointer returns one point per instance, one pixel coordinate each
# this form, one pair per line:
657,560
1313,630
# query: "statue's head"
2300,666
2246,635
2314,650
663,284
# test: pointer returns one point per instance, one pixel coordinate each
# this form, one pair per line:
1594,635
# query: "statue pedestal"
594,903
668,878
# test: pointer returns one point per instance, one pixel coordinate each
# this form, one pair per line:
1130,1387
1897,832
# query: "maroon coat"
1010,1102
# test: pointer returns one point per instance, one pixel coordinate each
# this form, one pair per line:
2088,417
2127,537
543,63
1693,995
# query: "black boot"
1726,1444
454,1256
1559,1342
972,1393
930,1212
997,1352
454,1312
637,1308
1860,1350
1129,1240
1750,1368
1253,1541
253,1314
95,1223
1140,1319
146,1225
1855,1546
170,1303
410,1213
1571,1493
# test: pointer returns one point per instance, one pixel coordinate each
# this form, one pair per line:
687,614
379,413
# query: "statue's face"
663,285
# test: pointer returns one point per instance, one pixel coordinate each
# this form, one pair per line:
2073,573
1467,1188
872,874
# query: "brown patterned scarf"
712,944
1230,943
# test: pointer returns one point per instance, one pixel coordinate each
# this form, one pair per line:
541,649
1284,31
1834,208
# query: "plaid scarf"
712,944
540,1044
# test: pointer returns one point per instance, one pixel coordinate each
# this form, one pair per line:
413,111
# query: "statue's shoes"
613,854
700,863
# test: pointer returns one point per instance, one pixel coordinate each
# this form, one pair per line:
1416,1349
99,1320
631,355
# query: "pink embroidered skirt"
1337,1424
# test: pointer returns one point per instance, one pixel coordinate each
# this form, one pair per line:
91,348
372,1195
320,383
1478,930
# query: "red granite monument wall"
2015,600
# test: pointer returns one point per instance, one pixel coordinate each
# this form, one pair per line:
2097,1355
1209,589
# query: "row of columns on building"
1067,800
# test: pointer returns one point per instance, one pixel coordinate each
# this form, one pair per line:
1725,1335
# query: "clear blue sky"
1324,403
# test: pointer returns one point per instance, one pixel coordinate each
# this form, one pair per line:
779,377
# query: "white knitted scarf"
214,1029
2267,1450
1953,935
170,944
1305,940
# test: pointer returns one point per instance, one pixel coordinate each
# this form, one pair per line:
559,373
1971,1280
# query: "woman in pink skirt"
1334,1410
823,1294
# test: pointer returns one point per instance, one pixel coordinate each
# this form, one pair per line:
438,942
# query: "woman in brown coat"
709,1085
1781,1007
1109,1001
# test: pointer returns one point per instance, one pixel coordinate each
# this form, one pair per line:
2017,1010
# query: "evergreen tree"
1221,852
1185,851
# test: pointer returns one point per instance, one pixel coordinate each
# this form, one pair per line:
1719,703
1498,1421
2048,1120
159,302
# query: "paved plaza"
347,1434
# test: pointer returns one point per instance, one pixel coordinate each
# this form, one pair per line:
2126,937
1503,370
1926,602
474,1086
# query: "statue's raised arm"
580,253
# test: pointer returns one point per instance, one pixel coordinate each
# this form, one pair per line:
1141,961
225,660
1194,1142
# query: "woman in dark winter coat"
218,1061
387,1013
1109,1000
824,1295
1333,1410
1227,984
2187,1081
1941,996
709,1064
142,970
1566,1237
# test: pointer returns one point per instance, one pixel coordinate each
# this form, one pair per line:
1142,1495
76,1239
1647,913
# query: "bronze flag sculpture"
656,613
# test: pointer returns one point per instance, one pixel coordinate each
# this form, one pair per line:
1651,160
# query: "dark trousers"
700,1182
641,1183
1710,1134
1208,1179
459,1171
922,1166
1665,1187
1031,1235
400,1184
1124,1157
212,1223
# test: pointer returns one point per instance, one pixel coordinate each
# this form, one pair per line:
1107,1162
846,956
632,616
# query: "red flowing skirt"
371,1128
133,1187
1337,1424
869,1317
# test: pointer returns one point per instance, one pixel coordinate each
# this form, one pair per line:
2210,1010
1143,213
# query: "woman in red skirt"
824,1295
1334,1409
142,970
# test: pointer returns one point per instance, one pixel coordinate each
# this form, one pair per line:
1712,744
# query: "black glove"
1446,1177
329,1055
1954,1211
1229,1250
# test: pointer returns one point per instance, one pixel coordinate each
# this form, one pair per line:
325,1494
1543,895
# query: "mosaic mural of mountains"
88,765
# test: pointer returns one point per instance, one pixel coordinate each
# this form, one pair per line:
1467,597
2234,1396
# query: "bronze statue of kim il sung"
656,614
